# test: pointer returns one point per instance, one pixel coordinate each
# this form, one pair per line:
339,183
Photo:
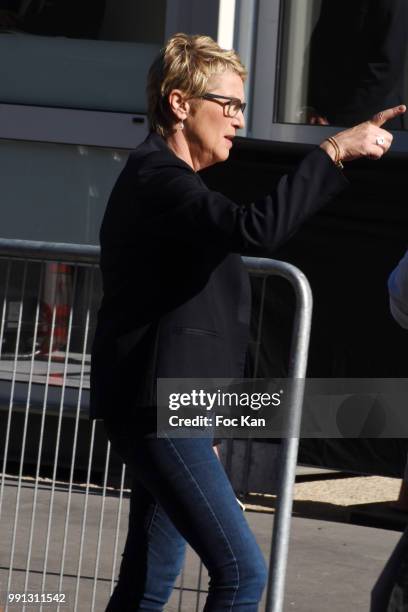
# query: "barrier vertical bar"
117,528
58,439
26,415
11,404
3,324
75,437
297,372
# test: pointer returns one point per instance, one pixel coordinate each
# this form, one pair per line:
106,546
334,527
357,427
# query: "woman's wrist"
332,149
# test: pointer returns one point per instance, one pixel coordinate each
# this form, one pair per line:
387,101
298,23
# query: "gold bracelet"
337,160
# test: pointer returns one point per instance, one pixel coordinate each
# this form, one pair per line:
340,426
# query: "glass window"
53,192
342,61
67,53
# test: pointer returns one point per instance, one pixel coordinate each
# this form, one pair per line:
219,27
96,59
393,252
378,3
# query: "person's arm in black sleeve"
178,204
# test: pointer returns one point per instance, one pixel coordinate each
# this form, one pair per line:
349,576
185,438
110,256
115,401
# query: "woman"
177,304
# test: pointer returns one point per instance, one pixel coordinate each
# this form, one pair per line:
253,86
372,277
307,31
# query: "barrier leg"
297,372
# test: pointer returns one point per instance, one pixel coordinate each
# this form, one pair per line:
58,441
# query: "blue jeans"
181,493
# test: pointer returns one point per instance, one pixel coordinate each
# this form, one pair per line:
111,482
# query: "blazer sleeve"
177,203
398,291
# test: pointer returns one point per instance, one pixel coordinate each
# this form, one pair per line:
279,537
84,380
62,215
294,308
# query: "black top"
176,296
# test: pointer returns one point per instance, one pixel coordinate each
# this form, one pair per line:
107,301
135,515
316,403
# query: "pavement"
333,562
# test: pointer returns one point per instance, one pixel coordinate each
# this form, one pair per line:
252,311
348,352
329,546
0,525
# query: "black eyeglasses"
231,107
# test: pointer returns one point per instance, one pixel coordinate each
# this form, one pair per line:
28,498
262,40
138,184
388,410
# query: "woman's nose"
239,121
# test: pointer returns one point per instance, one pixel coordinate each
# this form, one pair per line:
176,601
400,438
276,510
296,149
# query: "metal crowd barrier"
63,493
290,444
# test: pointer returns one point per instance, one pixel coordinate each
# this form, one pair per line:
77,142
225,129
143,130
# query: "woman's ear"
178,104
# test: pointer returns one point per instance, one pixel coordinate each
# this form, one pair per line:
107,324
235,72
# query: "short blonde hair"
186,63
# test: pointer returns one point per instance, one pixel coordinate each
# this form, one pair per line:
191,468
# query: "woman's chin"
223,154
216,157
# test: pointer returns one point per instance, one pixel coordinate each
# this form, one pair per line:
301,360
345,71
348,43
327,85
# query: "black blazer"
176,297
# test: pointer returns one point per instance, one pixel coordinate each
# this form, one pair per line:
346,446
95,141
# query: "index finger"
380,118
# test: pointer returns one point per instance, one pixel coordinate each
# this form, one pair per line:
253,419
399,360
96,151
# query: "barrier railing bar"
40,446
26,415
44,409
63,252
92,442
75,440
117,528
3,323
100,526
290,444
84,514
4,307
58,435
259,329
10,411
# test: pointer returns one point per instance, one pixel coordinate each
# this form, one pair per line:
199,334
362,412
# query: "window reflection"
350,56
54,17
75,54
55,193
124,20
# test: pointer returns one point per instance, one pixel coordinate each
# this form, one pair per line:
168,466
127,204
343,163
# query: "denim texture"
181,493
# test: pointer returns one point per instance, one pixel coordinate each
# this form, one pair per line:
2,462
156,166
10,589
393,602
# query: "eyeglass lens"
233,108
